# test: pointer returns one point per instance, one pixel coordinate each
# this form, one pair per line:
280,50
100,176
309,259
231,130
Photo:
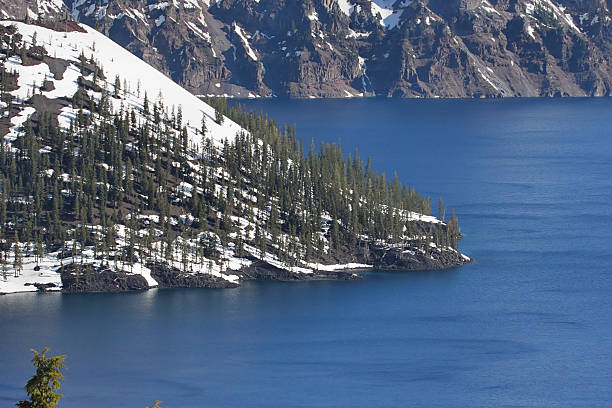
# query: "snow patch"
238,30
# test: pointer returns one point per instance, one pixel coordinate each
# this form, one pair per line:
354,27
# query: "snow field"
115,61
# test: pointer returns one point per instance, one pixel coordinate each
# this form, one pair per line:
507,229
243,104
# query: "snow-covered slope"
139,77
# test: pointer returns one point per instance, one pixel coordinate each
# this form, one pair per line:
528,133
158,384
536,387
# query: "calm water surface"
529,324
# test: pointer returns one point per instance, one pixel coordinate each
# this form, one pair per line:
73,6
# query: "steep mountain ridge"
340,48
33,9
343,48
113,177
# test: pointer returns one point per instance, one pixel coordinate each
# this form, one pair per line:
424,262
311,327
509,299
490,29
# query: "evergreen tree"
441,211
219,116
145,105
4,261
117,87
43,386
18,261
203,130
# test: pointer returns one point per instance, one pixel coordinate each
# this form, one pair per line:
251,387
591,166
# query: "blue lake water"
529,324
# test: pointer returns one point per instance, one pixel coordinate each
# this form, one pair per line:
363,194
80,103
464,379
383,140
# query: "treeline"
346,189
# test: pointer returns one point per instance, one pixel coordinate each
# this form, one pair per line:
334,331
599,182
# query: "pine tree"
453,228
219,116
117,87
145,105
43,386
203,130
185,254
18,261
38,250
4,261
179,118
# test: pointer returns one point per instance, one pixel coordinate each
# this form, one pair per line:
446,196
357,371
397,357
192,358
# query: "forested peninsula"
112,181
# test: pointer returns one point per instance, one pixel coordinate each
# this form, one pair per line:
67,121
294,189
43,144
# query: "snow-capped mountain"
114,177
342,48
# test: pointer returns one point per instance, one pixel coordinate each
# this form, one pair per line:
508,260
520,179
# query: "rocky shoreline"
85,278
263,271
78,278
400,259
88,278
99,280
169,277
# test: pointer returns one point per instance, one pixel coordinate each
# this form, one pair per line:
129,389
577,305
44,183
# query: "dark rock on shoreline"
410,257
168,277
263,271
405,259
86,278
44,287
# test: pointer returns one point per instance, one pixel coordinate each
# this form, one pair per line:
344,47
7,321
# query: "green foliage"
116,86
43,386
218,116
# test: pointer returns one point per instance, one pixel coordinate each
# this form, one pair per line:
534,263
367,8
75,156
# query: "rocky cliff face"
339,48
33,9
506,48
